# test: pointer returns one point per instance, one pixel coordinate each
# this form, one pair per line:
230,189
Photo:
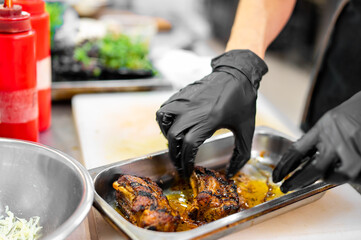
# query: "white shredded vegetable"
14,228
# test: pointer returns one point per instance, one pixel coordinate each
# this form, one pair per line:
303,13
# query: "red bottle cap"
33,7
14,20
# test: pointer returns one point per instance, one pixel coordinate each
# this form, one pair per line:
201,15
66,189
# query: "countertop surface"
335,214
332,208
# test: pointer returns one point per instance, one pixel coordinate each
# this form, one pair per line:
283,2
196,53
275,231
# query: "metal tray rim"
243,216
233,220
94,172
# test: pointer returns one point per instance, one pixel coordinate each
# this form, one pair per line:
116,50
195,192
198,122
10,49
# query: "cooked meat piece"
214,196
242,181
142,202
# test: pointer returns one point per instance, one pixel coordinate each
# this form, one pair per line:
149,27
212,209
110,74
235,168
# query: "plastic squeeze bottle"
39,19
18,92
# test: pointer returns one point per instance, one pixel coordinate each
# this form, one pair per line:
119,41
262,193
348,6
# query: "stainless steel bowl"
36,180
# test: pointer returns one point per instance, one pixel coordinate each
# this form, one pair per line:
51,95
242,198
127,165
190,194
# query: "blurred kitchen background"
182,36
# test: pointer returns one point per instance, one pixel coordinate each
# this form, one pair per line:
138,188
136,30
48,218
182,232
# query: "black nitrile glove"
331,150
226,98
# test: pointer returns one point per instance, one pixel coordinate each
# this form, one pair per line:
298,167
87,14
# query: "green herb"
114,51
81,53
56,11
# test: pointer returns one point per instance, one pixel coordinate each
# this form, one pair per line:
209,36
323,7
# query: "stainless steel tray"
67,89
214,154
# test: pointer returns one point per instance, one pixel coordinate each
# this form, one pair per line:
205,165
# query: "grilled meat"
142,202
210,196
214,196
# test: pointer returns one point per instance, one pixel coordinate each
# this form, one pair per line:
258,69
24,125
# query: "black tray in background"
65,90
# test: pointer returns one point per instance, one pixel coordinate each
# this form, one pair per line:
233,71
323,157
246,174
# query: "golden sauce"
180,200
180,197
253,192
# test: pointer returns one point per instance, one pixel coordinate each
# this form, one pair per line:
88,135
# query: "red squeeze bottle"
39,19
18,93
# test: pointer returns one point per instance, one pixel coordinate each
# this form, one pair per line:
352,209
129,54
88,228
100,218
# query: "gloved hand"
226,98
331,150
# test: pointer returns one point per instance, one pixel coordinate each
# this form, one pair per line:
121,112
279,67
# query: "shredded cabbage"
14,228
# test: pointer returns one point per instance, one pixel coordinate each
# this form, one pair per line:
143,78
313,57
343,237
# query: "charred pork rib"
142,202
214,196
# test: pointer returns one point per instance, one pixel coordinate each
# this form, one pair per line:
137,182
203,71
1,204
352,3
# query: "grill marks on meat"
144,204
214,196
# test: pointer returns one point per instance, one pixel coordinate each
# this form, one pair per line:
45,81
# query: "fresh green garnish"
114,51
56,11
81,53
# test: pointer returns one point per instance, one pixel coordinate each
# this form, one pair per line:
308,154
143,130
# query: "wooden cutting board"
118,126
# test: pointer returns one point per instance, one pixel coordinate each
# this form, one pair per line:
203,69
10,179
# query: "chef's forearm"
257,24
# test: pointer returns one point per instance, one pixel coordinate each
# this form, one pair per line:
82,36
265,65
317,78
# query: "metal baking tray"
215,154
65,90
